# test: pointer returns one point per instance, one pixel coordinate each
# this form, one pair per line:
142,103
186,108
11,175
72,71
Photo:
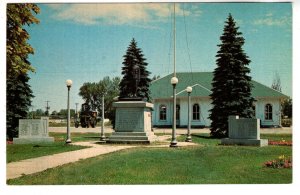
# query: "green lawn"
209,163
16,152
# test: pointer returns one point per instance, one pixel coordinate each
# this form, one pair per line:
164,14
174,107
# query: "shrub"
286,122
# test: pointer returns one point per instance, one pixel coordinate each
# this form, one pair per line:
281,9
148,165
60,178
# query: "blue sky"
85,42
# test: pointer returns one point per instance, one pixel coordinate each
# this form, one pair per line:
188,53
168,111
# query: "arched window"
196,112
268,112
162,112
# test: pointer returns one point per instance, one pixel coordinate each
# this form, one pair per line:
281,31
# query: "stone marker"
133,122
33,131
244,131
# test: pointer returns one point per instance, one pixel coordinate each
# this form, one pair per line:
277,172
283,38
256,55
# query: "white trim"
192,87
160,78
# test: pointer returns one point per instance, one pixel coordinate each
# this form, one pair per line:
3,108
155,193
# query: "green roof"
201,82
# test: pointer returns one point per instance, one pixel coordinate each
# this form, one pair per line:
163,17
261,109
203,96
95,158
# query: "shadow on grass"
203,136
39,146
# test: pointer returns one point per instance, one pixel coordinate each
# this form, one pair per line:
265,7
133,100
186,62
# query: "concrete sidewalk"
179,131
182,131
34,165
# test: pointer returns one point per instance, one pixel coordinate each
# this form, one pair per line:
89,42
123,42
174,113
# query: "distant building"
267,104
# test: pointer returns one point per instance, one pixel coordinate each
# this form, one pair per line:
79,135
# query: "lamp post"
188,136
173,143
102,137
69,84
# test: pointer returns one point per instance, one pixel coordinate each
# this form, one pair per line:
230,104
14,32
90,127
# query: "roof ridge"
195,72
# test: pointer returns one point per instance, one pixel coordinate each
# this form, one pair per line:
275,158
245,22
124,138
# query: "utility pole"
47,108
76,104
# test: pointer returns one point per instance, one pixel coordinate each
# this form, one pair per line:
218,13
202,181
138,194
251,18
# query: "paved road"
285,130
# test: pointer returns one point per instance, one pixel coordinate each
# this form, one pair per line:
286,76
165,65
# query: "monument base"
132,137
33,140
245,142
133,122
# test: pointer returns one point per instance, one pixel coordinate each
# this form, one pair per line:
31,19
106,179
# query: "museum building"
267,101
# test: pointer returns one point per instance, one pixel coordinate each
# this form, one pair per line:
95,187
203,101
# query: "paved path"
34,165
180,131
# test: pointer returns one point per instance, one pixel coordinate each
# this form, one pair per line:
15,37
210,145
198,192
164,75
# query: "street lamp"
173,143
102,137
189,137
69,84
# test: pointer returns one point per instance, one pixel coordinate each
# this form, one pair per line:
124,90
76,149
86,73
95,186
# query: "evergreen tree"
18,101
231,85
134,57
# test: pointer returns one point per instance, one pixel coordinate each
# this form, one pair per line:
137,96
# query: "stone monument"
133,122
244,131
33,131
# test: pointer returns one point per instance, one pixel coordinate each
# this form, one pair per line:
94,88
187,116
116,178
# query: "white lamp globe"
69,83
189,89
174,80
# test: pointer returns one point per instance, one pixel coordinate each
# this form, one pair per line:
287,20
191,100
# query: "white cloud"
117,14
270,20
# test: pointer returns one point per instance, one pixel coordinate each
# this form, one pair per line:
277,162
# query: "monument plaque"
129,119
244,131
33,131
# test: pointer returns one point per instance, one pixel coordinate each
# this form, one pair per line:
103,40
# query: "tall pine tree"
231,86
134,57
18,101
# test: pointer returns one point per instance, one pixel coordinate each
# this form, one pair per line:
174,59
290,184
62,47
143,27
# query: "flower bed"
9,142
281,162
280,143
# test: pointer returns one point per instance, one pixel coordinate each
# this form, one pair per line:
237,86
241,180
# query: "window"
163,112
196,112
268,112
177,112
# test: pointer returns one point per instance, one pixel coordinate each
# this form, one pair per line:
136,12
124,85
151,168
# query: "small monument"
244,131
33,131
133,122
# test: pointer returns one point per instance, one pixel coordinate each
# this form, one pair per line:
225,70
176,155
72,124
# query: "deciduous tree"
92,93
